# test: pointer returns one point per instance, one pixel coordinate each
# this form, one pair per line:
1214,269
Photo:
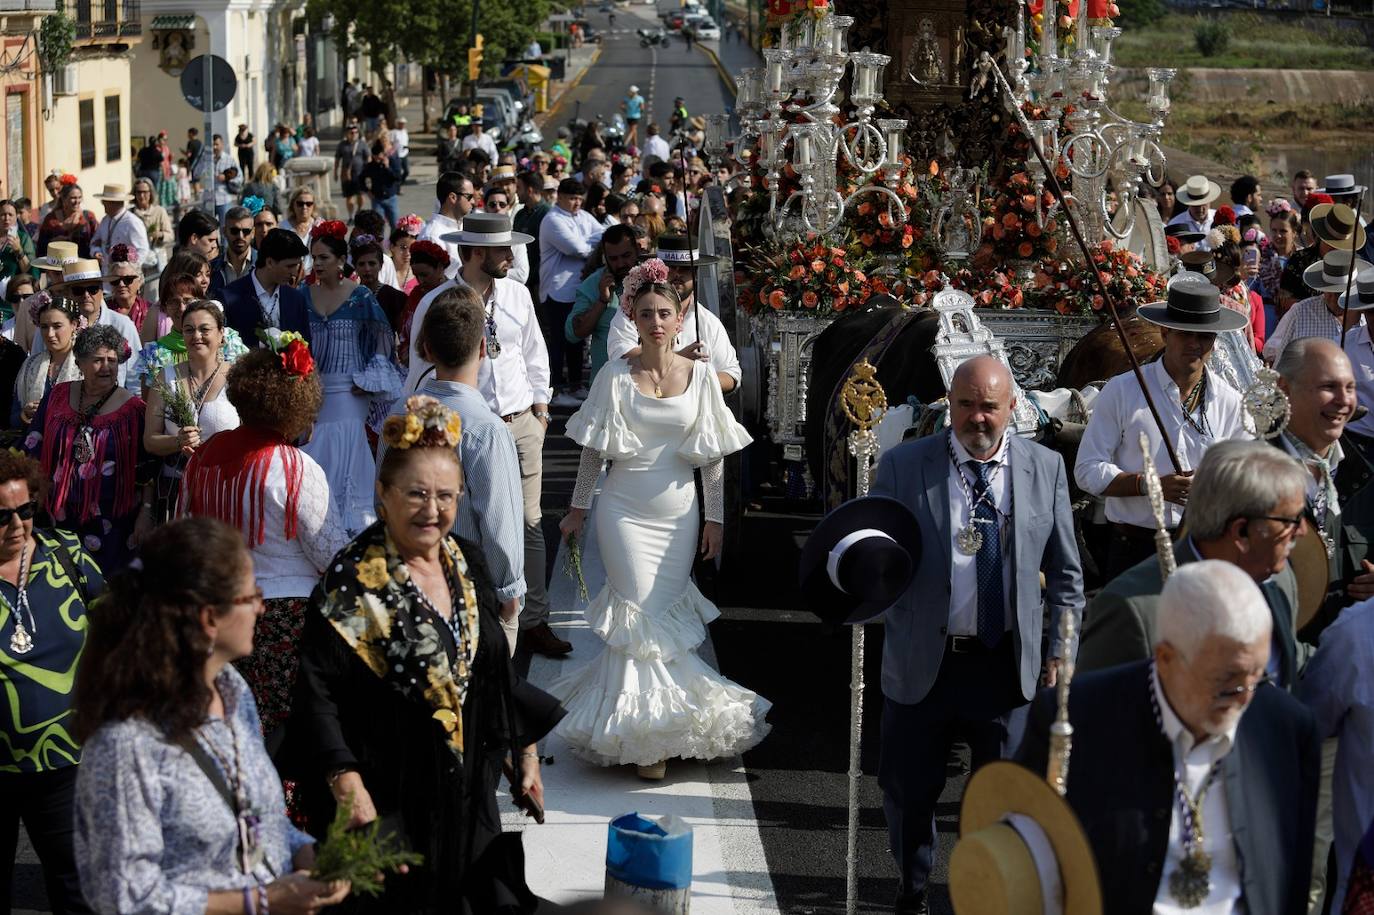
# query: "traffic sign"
223,83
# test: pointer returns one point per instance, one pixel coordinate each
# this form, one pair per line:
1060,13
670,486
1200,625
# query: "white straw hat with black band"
1199,190
1332,272
1361,297
678,249
1341,185
79,272
1193,304
486,230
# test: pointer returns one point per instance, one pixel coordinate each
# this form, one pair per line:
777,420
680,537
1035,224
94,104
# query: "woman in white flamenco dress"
656,417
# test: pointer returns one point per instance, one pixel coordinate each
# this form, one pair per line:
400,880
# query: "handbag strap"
64,559
211,770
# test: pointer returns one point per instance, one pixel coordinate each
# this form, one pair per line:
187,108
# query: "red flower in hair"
296,358
431,250
67,179
1225,216
1315,198
332,228
1174,246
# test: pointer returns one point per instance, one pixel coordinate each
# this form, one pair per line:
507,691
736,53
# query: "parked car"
517,89
674,19
703,27
493,119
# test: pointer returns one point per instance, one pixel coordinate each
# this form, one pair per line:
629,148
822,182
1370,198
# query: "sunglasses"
16,298
305,203
87,289
122,280
25,512
241,233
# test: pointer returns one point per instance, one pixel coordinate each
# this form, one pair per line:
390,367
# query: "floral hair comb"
426,424
647,274
331,228
291,348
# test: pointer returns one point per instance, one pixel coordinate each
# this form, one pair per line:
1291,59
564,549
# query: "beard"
977,439
496,271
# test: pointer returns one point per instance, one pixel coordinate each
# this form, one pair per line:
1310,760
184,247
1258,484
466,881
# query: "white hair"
1211,597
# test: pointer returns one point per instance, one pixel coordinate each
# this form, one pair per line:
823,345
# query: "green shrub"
1140,13
1212,38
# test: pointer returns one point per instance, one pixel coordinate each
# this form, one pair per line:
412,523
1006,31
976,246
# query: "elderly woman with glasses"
126,284
408,705
180,808
53,363
161,232
47,582
88,434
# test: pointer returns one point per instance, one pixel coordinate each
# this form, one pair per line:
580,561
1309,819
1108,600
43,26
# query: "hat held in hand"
859,559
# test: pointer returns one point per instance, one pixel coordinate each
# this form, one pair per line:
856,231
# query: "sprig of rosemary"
360,856
572,567
176,403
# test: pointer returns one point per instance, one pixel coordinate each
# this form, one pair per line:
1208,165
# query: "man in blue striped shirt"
492,511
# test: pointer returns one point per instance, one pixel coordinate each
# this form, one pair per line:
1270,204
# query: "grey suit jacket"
1119,623
917,474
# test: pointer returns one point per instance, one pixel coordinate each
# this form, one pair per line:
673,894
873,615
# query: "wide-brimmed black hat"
1184,234
859,559
1203,263
678,250
1193,304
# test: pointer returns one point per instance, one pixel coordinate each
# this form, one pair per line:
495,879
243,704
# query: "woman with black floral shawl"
406,703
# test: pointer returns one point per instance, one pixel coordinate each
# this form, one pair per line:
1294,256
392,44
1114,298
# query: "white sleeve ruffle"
715,432
600,423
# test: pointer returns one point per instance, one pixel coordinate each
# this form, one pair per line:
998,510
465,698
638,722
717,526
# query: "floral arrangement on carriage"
1069,288
809,276
877,229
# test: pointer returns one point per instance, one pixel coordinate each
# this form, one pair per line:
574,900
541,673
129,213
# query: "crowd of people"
272,517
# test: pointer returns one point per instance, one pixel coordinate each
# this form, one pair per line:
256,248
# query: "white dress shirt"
1185,219
483,142
1111,441
623,337
269,305
518,376
418,366
565,242
1195,760
123,228
400,139
438,226
387,275
658,147
1361,352
963,592
519,264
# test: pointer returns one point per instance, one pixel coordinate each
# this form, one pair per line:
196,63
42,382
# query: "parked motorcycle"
614,134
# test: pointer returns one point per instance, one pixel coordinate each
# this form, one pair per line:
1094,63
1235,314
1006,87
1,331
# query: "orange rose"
998,232
885,219
818,266
1025,249
1028,202
1032,229
865,208
1011,221
867,239
776,300
797,273
859,276
920,298
843,287
906,241
933,168
809,299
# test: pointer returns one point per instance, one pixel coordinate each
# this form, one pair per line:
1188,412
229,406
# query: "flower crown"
426,424
291,348
123,254
410,224
330,228
651,272
430,249
1278,207
40,302
1225,216
254,204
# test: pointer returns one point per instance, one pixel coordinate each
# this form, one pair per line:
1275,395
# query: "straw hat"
114,193
502,173
59,253
486,230
1333,224
1198,191
1362,296
1332,272
1021,849
79,272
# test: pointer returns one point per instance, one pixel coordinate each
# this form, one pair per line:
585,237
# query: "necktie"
991,599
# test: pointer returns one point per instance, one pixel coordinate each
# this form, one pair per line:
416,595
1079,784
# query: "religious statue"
924,63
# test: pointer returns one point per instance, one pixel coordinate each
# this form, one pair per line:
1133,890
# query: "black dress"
344,715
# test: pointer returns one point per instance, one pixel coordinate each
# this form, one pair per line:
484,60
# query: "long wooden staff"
1058,191
1354,237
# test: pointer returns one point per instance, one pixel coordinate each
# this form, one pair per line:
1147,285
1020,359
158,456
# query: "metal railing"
106,18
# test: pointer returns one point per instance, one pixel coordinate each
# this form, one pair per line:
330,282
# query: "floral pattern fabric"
369,598
271,669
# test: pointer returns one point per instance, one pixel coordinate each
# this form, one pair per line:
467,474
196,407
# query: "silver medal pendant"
20,642
84,448
1191,884
969,540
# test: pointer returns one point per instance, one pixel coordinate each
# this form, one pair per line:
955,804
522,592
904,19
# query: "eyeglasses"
122,280
203,331
14,298
1236,692
497,204
467,196
255,599
1290,525
419,498
305,203
25,512
241,233
87,289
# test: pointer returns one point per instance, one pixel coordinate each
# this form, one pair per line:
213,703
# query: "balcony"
28,6
107,20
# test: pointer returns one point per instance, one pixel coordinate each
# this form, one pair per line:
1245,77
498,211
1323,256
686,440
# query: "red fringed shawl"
233,465
117,438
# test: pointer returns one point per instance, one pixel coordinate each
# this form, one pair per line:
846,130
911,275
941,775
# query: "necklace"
251,851
84,448
1196,402
21,642
198,394
455,592
969,539
1191,883
663,374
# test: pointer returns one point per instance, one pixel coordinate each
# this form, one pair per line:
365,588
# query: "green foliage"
1256,42
360,856
434,33
1212,38
55,38
1139,13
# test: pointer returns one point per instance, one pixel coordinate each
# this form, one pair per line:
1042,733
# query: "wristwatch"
541,414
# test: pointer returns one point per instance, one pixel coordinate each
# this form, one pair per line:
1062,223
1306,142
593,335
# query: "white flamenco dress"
648,697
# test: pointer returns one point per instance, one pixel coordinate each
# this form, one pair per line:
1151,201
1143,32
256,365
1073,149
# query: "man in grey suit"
963,643
1246,508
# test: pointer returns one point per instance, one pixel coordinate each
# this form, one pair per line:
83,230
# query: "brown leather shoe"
541,640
